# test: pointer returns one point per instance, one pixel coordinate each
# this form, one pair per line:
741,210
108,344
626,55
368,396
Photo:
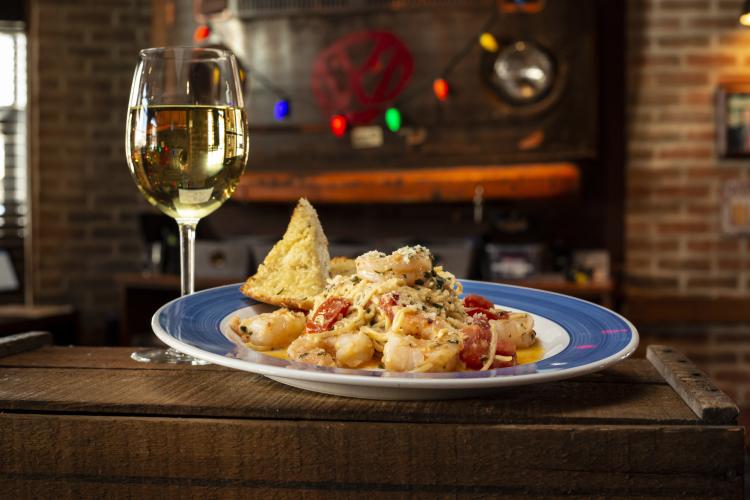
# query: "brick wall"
82,56
679,50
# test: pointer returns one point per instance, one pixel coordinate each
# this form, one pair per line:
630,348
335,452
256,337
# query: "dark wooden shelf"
540,180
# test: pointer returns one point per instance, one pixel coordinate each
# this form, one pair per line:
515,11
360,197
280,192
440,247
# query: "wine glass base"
168,356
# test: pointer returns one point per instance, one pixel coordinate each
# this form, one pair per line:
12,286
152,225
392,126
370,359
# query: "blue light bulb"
281,110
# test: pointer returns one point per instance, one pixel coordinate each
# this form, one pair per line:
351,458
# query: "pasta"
399,313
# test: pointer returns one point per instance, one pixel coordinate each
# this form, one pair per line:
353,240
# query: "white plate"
578,337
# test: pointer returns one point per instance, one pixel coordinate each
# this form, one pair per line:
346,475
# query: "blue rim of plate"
598,338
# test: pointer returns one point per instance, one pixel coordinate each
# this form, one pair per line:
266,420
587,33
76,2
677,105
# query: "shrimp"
517,327
348,350
409,321
403,353
353,349
311,348
408,263
272,330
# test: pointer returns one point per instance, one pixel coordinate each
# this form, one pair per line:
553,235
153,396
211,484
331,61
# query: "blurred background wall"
85,205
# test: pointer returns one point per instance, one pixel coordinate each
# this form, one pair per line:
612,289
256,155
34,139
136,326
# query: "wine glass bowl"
186,143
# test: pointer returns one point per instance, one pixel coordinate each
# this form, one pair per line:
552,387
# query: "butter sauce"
526,355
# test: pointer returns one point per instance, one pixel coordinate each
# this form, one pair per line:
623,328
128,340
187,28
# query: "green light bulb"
393,119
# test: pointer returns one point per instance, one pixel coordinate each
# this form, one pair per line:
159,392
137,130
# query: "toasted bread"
343,266
297,267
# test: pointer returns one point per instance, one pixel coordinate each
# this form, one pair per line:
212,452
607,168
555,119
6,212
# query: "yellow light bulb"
745,19
488,42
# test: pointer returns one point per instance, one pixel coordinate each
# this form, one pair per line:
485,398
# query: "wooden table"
89,422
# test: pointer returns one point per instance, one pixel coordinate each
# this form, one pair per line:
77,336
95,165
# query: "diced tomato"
327,314
489,313
477,340
388,302
476,346
474,300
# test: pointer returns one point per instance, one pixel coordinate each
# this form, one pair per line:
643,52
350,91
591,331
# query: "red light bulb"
201,33
441,89
338,125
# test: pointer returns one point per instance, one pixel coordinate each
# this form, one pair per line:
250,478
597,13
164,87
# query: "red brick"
719,173
685,153
683,227
646,60
651,282
702,208
685,264
712,60
655,99
682,79
685,117
681,191
680,41
698,97
714,23
733,264
713,246
633,262
728,282
650,174
635,244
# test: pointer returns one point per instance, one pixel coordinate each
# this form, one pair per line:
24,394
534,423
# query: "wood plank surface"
49,381
694,387
53,456
638,371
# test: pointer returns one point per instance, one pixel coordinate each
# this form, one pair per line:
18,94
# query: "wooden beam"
412,185
711,405
20,342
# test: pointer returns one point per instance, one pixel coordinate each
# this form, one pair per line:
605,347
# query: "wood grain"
612,397
284,459
711,405
416,185
20,342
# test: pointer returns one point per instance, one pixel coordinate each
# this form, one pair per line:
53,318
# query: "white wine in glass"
186,145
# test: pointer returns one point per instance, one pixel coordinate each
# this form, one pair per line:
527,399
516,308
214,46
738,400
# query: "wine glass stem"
187,256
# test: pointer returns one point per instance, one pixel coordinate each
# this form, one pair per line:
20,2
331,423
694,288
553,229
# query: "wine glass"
186,145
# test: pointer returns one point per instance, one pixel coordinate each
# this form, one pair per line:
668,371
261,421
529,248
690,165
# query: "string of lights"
392,116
